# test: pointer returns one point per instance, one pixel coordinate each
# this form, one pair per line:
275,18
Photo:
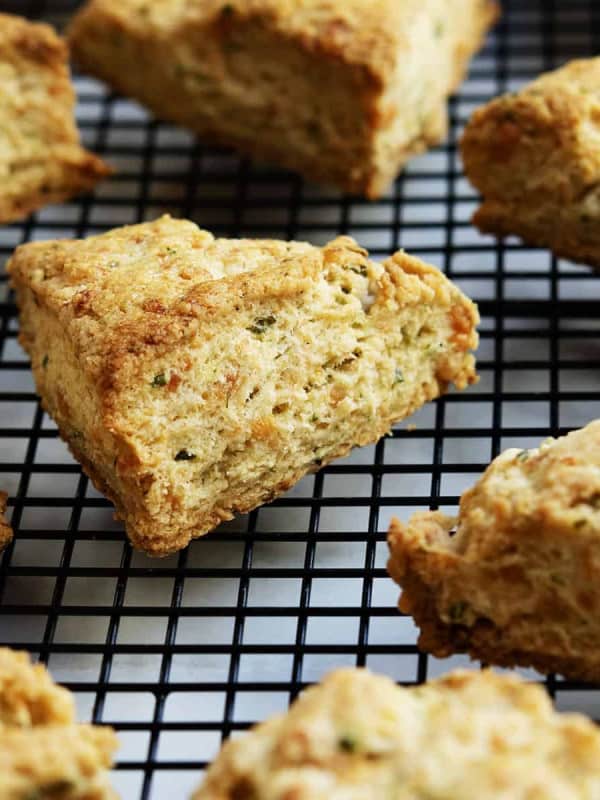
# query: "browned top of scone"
6,533
143,289
542,140
369,33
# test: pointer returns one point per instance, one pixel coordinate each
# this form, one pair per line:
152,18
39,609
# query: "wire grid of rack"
179,653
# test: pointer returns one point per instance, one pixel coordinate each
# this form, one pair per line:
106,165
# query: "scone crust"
534,157
44,753
41,160
514,579
236,367
366,44
6,532
466,736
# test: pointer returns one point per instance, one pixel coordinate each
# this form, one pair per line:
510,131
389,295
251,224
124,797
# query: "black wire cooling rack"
179,653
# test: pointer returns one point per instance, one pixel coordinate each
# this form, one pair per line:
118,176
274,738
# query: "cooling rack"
178,654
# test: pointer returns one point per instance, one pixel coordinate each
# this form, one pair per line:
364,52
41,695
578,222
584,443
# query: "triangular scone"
465,736
196,377
342,91
516,578
44,753
535,158
6,533
41,159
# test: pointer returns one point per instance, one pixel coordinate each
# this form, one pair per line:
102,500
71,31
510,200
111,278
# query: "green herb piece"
348,744
185,455
171,250
314,418
456,612
340,300
45,361
398,377
159,380
346,289
361,270
261,324
522,456
439,29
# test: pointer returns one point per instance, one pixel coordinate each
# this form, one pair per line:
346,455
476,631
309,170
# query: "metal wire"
178,654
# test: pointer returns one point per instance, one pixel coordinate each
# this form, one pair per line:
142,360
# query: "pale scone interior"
44,753
513,579
466,736
231,368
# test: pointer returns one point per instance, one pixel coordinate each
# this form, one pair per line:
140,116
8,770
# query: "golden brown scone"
196,377
343,91
44,753
466,736
41,160
535,158
6,533
516,578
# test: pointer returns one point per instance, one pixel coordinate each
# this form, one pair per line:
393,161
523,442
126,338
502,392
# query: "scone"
6,533
342,91
516,578
196,377
466,736
535,158
44,753
41,159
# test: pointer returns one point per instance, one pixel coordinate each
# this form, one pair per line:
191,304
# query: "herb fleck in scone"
41,160
44,753
466,736
516,578
535,158
6,533
196,377
343,91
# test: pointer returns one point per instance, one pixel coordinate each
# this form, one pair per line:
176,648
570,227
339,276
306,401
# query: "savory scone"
41,159
44,753
535,158
196,377
516,578
466,736
342,91
6,533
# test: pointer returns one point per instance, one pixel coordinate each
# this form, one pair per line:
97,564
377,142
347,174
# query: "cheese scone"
41,159
466,736
196,377
535,158
6,533
515,579
44,753
342,91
